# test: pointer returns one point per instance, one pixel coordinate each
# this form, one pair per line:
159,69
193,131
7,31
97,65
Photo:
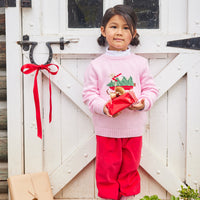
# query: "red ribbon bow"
29,68
114,78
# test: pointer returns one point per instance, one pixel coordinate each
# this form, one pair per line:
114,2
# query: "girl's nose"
119,31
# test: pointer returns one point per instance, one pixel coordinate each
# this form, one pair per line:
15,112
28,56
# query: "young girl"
119,137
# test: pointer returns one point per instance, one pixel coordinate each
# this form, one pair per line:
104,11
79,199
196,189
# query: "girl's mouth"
118,39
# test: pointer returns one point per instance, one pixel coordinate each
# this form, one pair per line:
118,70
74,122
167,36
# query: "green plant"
187,193
153,197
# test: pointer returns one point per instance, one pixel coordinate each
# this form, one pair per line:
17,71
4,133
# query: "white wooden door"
67,151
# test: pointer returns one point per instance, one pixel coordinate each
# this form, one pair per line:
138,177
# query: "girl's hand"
115,115
106,112
138,106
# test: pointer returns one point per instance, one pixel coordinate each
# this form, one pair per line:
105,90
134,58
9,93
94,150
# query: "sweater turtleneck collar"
118,53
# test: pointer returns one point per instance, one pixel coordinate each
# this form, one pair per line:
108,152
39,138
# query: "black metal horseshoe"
33,45
26,43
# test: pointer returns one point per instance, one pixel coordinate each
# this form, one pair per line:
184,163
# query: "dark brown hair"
128,14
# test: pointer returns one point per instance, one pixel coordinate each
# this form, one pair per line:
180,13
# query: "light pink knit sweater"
99,73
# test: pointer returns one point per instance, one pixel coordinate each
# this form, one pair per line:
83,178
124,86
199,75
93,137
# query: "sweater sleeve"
91,93
149,92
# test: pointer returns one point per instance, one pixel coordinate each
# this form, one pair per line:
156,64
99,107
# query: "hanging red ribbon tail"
37,106
50,101
29,68
114,78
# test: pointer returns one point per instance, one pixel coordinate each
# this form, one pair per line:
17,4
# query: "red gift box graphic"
121,102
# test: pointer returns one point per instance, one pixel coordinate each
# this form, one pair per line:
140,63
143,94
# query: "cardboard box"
34,186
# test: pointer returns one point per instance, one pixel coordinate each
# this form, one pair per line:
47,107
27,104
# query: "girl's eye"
113,26
126,28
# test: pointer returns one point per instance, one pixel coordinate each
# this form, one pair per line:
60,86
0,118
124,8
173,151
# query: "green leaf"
173,198
146,198
154,197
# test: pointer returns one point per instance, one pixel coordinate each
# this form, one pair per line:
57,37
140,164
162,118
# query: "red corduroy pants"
117,162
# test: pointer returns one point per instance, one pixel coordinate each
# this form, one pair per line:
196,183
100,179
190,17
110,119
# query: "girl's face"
117,33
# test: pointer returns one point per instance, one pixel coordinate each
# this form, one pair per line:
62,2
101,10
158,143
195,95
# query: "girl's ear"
135,33
103,31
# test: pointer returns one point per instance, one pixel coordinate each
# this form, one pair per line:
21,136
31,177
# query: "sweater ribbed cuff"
146,104
99,105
